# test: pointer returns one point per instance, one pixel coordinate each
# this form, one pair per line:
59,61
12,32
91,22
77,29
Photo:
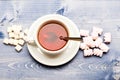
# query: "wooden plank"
86,14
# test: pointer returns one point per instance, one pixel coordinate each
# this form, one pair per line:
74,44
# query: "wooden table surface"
85,14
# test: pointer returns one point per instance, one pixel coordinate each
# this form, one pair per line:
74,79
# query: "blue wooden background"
86,14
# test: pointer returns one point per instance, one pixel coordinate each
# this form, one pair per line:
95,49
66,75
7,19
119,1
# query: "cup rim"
39,24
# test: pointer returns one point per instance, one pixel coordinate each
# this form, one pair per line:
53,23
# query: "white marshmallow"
98,52
98,42
89,41
97,30
104,47
84,33
94,35
92,44
88,52
83,46
18,48
107,37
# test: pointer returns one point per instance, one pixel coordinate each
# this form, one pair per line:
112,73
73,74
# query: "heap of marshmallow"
93,44
16,37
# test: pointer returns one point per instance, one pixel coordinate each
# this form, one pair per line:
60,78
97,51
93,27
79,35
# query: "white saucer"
62,58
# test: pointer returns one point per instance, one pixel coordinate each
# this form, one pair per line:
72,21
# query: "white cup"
39,23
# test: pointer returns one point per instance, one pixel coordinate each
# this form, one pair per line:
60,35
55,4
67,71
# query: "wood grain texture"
86,14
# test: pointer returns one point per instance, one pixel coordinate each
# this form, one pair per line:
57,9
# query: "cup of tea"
48,30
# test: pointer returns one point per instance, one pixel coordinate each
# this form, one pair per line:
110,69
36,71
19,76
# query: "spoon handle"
70,38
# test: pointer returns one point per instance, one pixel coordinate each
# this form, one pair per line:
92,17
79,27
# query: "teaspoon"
70,38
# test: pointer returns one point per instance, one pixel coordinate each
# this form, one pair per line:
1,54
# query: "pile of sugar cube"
16,37
93,44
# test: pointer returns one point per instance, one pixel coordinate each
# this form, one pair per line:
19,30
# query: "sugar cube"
9,29
25,38
21,35
26,31
15,42
11,35
11,41
21,42
16,36
18,48
6,41
17,29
